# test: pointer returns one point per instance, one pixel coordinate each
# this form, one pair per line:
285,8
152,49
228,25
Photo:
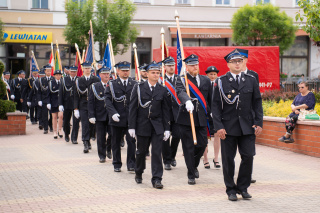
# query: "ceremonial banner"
107,57
89,56
179,57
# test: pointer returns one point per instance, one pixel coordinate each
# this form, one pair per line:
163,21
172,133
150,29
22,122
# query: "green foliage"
311,10
1,31
5,106
263,25
109,17
79,16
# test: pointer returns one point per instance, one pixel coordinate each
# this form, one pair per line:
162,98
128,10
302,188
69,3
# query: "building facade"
202,22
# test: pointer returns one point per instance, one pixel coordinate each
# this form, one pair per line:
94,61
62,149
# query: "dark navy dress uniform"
193,153
97,109
117,102
150,117
8,86
54,86
16,90
66,99
233,112
24,95
81,103
33,100
44,97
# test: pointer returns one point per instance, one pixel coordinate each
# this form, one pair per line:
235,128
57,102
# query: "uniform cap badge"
229,96
233,91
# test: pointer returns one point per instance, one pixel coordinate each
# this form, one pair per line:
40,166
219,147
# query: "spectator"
304,100
301,79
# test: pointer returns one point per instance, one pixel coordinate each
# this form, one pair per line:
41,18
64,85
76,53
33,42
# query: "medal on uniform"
233,91
230,79
229,96
243,79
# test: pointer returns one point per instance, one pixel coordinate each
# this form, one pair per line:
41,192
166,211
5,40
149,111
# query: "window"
80,2
262,1
3,3
183,2
141,1
222,2
41,4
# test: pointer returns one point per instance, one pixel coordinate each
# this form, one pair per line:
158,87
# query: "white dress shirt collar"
151,85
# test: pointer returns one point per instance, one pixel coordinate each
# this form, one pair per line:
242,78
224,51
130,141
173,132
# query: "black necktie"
152,90
237,79
104,86
212,84
125,84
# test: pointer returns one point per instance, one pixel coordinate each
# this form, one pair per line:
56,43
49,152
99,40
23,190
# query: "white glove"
49,106
12,97
29,104
211,115
76,113
7,87
61,109
132,132
189,106
115,117
92,120
40,103
166,135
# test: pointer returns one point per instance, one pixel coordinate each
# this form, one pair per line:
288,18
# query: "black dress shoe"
86,147
131,169
117,170
66,138
55,137
51,130
45,132
167,166
191,181
173,163
122,143
93,138
253,181
157,184
109,155
232,197
102,160
196,173
138,179
40,127
75,142
89,145
245,195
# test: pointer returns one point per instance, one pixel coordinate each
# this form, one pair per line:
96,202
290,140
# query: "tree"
79,14
312,14
115,18
263,25
1,31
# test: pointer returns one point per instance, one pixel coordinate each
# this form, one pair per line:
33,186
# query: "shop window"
40,4
3,3
222,2
183,2
141,1
262,1
143,51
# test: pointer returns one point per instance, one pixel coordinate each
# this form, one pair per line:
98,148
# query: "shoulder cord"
14,83
139,98
65,87
35,85
42,88
29,83
120,99
50,86
96,94
78,89
222,95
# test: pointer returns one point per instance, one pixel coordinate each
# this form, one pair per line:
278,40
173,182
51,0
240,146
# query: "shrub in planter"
5,105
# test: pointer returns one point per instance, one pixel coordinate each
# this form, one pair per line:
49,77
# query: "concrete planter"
15,125
306,136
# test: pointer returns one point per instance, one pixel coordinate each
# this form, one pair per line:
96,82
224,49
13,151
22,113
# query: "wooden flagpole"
112,55
60,67
78,53
136,60
186,78
162,55
93,54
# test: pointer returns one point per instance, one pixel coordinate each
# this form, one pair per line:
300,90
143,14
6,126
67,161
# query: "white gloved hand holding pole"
115,117
12,97
49,106
76,113
189,106
92,120
132,132
29,104
40,103
166,135
61,108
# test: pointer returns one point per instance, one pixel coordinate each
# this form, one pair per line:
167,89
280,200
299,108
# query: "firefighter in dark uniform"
7,81
201,111
98,113
66,101
32,104
43,98
236,96
117,103
169,149
16,89
81,102
149,120
24,95
33,97
143,72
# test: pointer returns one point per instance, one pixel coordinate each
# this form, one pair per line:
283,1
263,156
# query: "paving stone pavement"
40,174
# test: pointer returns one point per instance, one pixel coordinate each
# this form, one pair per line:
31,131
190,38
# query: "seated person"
304,100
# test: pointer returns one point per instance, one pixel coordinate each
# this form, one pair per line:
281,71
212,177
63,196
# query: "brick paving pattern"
40,174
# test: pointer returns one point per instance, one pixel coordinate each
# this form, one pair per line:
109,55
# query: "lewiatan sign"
27,37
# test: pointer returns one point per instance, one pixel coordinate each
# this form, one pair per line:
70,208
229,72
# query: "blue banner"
107,57
179,57
89,56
